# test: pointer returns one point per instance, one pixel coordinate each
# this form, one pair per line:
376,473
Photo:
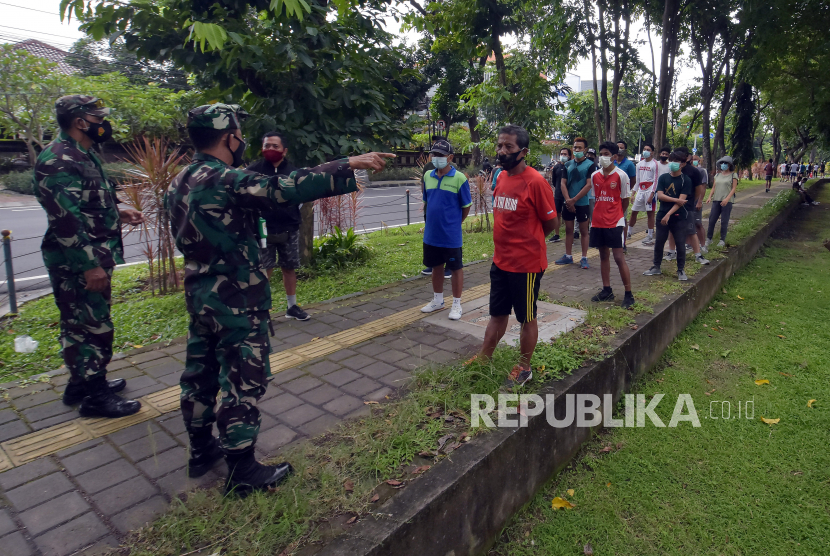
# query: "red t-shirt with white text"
522,202
609,191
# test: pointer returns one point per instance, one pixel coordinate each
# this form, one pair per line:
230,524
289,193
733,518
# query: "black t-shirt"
287,217
674,187
558,173
695,179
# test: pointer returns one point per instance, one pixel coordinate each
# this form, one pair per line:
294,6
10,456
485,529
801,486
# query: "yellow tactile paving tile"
165,400
45,442
5,462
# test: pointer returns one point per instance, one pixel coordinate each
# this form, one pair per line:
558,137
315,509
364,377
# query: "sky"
39,19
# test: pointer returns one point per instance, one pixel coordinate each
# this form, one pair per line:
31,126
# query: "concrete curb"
461,505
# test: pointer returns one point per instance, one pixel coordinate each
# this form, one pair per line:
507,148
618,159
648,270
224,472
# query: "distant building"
588,85
47,51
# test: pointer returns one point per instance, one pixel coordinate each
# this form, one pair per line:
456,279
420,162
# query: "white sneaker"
432,306
721,243
701,260
648,241
455,311
629,234
816,203
708,243
704,249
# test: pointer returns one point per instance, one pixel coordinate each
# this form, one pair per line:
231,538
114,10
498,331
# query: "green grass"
141,319
733,486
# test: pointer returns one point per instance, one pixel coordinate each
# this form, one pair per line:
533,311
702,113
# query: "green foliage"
93,57
30,85
19,182
330,81
340,249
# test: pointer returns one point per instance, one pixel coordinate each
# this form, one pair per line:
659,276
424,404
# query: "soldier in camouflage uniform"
81,246
214,212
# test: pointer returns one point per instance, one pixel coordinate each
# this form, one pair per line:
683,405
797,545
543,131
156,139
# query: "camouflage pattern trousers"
86,328
227,353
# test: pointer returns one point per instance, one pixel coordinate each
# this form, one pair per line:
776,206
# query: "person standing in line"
592,156
447,201
672,191
427,168
644,188
723,193
697,162
558,174
284,220
663,165
769,169
80,249
523,215
624,163
214,210
692,241
574,189
612,192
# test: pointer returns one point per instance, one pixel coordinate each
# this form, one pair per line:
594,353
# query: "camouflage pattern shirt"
84,228
214,210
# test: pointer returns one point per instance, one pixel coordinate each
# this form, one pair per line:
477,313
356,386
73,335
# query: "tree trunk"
603,53
653,81
620,64
475,137
725,106
592,40
669,46
776,149
306,233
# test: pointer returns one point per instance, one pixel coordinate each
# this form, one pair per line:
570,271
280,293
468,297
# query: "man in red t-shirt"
524,214
611,189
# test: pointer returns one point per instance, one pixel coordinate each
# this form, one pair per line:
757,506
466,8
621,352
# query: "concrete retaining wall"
460,506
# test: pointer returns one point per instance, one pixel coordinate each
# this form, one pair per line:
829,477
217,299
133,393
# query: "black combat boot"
204,451
101,402
246,474
76,391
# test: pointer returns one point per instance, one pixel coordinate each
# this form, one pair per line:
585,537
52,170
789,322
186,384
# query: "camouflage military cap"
85,104
216,116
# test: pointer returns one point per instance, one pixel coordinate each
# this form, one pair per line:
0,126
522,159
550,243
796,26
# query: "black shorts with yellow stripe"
516,291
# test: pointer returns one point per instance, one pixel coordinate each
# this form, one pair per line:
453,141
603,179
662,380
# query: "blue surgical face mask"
724,166
674,166
440,162
579,154
696,163
646,154
563,159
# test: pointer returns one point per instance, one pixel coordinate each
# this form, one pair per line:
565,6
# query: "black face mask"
663,158
510,161
237,154
99,133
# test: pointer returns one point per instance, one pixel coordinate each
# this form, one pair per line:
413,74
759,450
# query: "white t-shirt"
646,176
661,169
783,168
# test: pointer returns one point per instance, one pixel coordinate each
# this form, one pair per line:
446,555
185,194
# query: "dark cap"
216,116
592,151
442,146
81,104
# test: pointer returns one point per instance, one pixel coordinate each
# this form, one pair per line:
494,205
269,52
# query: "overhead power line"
30,9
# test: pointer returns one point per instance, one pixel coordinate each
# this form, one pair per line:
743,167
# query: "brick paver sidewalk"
84,497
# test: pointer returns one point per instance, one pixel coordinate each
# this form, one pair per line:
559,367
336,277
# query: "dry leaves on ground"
560,503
